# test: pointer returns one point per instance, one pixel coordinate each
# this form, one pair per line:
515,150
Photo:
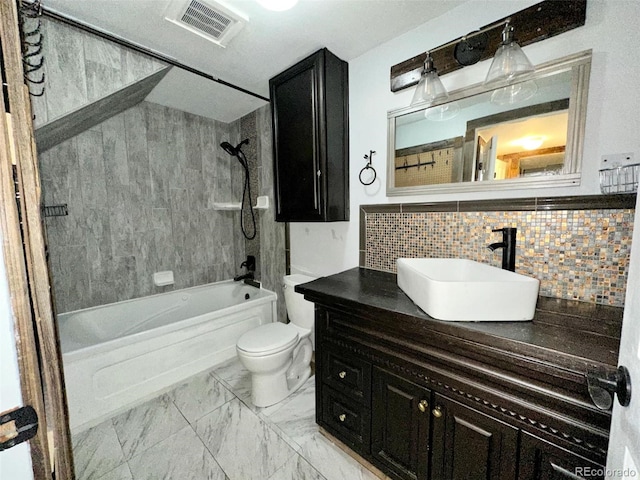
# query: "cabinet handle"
342,374
342,417
423,406
437,412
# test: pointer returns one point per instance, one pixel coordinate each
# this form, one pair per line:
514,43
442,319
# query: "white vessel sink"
463,290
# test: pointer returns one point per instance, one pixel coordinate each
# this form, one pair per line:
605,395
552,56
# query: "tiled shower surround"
140,189
578,248
141,186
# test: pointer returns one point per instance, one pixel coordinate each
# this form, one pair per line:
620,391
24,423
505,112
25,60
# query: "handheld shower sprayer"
230,149
237,151
246,192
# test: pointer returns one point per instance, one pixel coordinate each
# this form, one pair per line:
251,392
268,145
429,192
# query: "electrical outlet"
613,160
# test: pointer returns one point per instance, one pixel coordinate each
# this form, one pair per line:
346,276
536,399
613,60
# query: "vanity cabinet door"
400,425
470,445
541,460
309,104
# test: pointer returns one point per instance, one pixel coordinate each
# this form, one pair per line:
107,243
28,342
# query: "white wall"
15,463
613,116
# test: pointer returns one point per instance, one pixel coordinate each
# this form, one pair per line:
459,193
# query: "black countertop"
572,335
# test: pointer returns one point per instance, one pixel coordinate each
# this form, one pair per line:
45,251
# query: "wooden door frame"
39,357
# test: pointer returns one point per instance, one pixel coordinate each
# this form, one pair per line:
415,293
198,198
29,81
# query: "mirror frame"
580,66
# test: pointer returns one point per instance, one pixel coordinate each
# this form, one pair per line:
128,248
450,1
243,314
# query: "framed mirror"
508,136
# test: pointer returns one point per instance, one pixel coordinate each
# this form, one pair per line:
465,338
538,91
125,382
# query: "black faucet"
250,265
508,245
244,276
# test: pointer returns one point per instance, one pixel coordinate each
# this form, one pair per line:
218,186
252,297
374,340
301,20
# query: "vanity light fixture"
430,88
278,5
535,23
509,63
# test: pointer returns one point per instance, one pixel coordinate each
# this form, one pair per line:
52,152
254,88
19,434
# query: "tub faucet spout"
250,265
248,275
508,246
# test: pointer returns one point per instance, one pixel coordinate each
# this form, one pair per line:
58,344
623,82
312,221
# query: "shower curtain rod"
138,48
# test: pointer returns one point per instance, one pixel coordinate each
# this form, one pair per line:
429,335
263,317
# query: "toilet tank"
299,310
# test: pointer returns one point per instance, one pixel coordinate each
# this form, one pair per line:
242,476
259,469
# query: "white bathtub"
120,354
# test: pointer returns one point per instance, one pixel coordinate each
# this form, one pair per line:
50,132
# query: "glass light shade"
430,89
515,93
442,112
508,63
278,5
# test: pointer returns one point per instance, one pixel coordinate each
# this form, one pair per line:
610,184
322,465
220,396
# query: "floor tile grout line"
315,469
137,454
115,430
114,469
206,447
295,454
295,448
124,461
275,431
179,411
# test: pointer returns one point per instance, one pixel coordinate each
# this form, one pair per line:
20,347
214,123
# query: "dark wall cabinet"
310,108
417,411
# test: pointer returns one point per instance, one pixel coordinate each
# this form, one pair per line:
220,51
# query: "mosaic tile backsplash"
576,254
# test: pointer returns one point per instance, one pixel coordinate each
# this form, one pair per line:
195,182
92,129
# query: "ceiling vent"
211,20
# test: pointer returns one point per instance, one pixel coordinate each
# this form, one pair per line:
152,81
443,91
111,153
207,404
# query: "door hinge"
17,426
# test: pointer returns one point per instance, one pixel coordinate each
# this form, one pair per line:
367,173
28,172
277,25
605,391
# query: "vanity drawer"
348,420
347,374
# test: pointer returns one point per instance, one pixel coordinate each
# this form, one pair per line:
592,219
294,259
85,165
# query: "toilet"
278,355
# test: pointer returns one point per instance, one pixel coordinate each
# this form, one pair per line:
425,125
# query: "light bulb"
509,62
430,88
278,5
531,143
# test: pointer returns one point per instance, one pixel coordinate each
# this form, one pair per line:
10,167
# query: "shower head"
236,151
230,149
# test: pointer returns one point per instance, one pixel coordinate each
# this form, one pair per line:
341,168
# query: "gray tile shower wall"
272,234
269,244
249,131
81,68
140,188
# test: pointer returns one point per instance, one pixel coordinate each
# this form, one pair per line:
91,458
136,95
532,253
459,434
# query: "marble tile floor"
206,428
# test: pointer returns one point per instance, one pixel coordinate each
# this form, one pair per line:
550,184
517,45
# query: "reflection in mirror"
525,141
524,134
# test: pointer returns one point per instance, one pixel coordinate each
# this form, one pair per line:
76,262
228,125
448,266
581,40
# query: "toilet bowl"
278,355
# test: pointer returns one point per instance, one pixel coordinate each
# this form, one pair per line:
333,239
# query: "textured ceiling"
268,44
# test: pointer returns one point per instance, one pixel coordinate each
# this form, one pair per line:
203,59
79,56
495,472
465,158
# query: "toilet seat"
268,339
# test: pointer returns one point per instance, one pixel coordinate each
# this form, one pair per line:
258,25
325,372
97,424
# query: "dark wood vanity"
425,399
